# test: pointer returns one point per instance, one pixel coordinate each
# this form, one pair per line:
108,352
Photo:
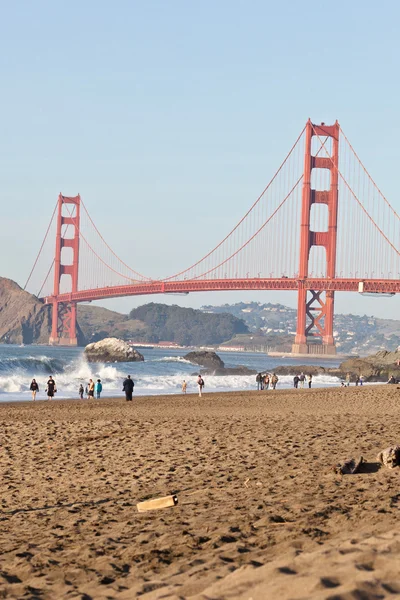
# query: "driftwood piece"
157,503
349,467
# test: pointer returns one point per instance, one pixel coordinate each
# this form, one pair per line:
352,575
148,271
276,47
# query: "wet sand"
261,513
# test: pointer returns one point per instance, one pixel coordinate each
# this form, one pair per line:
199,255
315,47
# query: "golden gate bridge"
320,226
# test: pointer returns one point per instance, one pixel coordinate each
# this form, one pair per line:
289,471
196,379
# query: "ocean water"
162,372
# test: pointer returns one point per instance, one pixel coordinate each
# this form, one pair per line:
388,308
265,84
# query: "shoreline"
192,394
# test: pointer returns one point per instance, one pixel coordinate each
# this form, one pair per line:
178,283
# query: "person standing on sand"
258,380
302,379
296,380
200,383
90,389
266,381
309,381
127,387
184,386
51,388
80,392
361,379
274,380
347,379
34,388
98,388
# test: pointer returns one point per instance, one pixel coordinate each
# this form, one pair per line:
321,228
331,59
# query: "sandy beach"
261,513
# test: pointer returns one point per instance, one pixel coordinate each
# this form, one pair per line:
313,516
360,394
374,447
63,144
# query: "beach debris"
157,503
246,482
390,457
349,466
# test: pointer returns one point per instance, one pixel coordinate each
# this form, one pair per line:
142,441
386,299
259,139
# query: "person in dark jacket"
296,380
51,388
127,387
34,388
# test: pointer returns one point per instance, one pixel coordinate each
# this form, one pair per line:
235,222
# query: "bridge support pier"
63,330
315,308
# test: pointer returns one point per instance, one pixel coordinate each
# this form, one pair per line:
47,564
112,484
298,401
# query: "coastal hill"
24,319
354,334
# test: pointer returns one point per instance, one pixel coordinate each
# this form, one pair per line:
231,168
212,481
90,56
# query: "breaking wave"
155,376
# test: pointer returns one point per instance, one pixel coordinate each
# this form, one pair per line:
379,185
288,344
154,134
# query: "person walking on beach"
81,391
347,379
127,387
98,388
361,379
274,380
34,388
266,381
51,388
90,389
184,386
309,381
259,381
200,383
302,379
296,380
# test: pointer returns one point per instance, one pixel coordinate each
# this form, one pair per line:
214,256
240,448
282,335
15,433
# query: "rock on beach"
112,350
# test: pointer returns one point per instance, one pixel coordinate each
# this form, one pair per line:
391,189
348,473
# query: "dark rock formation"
377,367
239,370
306,369
205,358
112,350
213,365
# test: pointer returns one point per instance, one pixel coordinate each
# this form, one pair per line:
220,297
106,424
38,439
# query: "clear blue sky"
169,117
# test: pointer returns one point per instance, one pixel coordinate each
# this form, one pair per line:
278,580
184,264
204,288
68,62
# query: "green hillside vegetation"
185,326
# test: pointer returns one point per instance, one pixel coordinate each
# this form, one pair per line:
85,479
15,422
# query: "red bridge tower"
315,312
63,330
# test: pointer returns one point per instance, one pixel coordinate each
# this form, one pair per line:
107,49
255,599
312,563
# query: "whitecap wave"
17,373
172,359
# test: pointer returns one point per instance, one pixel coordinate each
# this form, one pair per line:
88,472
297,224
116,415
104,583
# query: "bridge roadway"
391,286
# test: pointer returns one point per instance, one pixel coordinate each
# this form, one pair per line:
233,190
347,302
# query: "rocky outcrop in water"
377,367
306,369
112,350
213,365
205,358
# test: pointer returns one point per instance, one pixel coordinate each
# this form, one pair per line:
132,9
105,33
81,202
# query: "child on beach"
34,389
80,392
184,386
98,388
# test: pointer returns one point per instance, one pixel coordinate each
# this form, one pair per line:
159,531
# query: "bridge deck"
391,286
